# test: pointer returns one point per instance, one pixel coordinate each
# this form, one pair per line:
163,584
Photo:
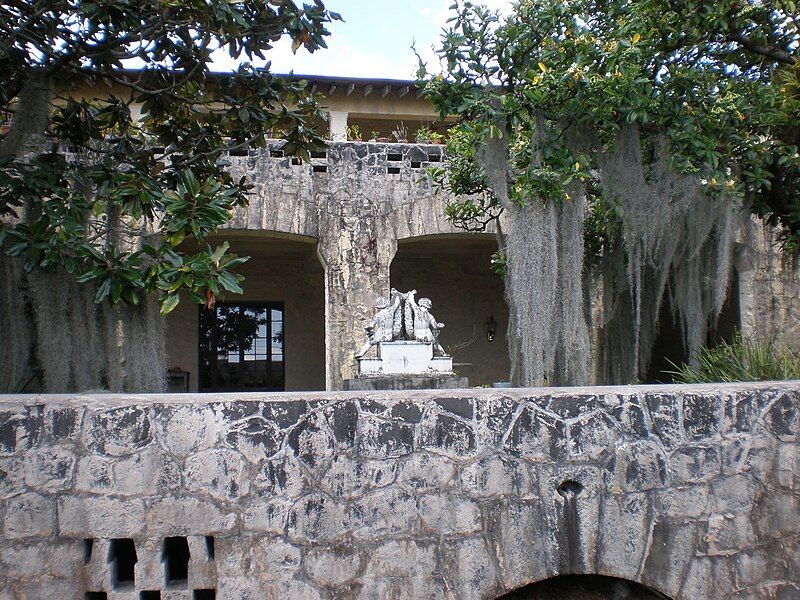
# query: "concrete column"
337,120
356,257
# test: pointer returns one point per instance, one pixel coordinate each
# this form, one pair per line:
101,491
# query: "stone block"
176,515
266,517
498,475
664,412
280,477
329,567
99,516
349,478
425,472
695,464
11,474
782,417
701,416
382,514
469,564
672,548
593,437
147,473
119,431
728,534
623,532
94,474
29,515
318,518
641,466
379,438
787,466
221,473
537,437
689,502
185,429
524,550
447,514
447,435
734,494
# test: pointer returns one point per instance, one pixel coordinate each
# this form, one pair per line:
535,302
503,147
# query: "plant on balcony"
426,135
740,360
400,133
353,133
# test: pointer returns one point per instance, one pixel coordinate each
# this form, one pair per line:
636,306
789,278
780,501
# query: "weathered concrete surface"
692,491
368,197
769,287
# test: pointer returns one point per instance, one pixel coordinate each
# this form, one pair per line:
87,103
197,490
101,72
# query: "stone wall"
691,491
769,287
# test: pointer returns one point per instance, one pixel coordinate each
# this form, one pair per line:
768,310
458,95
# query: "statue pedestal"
405,365
405,357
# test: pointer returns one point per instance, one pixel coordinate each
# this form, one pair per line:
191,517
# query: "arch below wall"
584,587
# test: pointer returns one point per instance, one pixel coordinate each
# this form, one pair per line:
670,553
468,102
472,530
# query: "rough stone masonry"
692,491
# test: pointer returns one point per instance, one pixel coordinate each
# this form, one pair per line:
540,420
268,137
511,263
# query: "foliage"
718,80
472,205
353,133
426,135
112,187
400,133
741,360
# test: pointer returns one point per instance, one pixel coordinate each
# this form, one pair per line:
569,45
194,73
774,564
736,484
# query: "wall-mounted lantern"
491,328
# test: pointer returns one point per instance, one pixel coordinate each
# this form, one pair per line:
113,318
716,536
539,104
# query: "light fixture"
491,328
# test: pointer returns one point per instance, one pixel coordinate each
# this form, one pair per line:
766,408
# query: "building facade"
328,237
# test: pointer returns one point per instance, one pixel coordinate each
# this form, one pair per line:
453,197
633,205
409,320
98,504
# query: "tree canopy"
720,79
661,116
113,172
119,131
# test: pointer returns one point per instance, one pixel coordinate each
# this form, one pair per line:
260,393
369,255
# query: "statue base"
406,358
405,365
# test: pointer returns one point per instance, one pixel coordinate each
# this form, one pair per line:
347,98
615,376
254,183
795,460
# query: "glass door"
241,347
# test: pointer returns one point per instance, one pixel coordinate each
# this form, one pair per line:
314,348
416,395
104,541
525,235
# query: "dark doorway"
584,587
241,347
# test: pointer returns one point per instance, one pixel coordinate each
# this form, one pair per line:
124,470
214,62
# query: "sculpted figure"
426,327
382,325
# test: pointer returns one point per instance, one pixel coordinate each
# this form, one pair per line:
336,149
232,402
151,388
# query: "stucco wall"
691,491
368,197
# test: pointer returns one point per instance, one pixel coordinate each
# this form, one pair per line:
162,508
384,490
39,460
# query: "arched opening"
668,348
271,337
584,587
455,272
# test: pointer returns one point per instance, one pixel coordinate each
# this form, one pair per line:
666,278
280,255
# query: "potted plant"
400,133
373,136
353,133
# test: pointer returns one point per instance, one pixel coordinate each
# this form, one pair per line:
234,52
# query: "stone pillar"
356,256
337,121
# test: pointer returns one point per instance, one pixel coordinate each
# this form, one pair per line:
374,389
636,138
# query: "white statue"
426,327
401,317
381,327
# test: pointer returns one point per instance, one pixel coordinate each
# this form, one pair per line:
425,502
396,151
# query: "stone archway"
284,272
584,587
455,272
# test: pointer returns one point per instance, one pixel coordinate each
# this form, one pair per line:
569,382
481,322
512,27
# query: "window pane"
241,347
